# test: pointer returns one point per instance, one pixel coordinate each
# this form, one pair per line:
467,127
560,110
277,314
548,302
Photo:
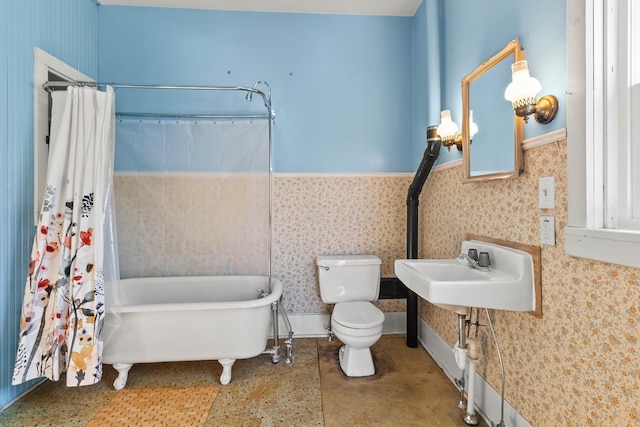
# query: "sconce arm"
456,140
544,110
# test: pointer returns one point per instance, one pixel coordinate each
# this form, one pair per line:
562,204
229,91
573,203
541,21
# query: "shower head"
265,97
249,96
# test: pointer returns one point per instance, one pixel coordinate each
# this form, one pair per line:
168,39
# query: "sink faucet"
484,266
470,261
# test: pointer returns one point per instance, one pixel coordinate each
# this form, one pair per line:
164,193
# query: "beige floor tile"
408,389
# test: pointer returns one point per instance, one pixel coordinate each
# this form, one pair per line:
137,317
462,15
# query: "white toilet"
352,282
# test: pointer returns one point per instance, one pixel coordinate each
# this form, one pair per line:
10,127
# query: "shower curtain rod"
51,86
197,116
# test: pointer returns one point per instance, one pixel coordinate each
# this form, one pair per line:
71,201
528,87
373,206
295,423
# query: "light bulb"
473,127
523,88
447,128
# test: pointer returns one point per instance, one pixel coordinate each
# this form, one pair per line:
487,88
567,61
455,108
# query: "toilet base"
356,362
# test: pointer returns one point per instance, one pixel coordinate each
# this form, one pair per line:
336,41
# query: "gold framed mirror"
495,152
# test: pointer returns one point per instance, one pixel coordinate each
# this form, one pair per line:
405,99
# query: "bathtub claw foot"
225,378
123,374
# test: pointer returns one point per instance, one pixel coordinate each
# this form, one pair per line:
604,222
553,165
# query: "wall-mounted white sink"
508,285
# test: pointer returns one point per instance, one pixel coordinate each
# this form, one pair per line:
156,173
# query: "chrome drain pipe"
465,353
275,351
460,384
289,346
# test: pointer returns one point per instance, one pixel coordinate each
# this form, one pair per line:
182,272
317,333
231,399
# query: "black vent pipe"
428,159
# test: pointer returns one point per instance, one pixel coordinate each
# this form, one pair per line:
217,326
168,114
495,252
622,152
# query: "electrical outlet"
548,230
547,192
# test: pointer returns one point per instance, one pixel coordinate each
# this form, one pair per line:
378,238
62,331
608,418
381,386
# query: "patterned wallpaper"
330,215
175,225
580,364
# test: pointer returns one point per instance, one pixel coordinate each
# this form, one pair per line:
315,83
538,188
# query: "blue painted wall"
352,93
429,77
66,29
341,83
426,70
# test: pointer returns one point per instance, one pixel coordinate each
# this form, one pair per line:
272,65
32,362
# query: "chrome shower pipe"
286,317
289,341
275,351
267,103
267,99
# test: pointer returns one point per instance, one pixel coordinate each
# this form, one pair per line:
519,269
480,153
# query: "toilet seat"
343,331
358,315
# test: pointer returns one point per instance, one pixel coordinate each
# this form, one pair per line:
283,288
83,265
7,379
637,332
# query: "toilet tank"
344,278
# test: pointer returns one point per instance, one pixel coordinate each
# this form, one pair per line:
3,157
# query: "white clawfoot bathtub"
164,319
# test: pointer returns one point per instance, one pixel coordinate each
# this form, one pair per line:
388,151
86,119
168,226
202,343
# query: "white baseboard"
488,400
312,325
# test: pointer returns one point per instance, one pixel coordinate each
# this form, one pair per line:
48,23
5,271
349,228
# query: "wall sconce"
522,92
448,130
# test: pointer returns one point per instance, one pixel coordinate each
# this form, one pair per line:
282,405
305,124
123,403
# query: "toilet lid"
357,315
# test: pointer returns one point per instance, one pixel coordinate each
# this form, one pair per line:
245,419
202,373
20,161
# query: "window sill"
613,246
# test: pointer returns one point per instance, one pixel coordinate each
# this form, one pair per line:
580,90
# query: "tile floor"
408,389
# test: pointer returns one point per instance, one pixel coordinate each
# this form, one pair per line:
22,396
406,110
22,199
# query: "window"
604,138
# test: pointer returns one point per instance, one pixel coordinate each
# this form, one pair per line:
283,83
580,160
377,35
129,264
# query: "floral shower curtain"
63,308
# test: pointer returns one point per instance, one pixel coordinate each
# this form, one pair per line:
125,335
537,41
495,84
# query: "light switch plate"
548,230
547,192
